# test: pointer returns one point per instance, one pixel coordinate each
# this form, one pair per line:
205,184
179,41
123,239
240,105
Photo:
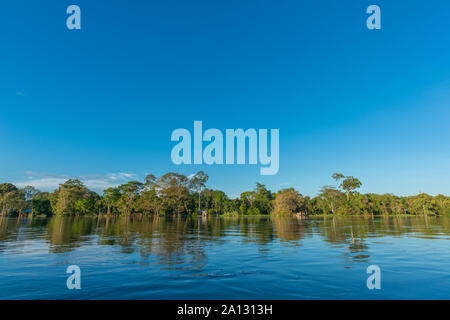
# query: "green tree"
329,200
12,200
111,197
129,194
7,187
40,204
30,192
197,182
263,199
72,197
258,201
174,191
349,183
289,201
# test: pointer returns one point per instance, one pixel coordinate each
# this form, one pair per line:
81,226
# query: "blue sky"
101,103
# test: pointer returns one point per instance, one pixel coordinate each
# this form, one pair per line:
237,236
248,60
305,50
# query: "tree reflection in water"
177,240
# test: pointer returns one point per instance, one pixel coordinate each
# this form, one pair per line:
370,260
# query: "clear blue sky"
101,103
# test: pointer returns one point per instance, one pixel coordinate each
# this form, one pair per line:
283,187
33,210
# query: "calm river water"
225,258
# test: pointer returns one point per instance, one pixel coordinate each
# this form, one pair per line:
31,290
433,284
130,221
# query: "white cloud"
127,175
43,184
97,182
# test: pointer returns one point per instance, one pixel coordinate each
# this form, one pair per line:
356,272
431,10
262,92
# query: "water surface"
225,258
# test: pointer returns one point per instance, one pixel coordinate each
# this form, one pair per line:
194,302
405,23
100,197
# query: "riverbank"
176,194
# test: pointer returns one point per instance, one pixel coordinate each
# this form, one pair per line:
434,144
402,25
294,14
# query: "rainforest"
177,194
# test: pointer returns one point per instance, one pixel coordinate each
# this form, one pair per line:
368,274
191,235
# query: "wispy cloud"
43,184
20,93
102,182
34,174
96,182
284,184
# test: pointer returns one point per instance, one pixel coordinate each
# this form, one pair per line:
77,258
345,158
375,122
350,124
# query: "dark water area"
225,258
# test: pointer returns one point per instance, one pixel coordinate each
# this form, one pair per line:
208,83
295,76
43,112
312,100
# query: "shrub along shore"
174,193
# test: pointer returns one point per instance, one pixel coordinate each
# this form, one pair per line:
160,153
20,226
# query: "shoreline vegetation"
176,194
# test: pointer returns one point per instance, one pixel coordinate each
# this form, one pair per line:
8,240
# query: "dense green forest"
177,194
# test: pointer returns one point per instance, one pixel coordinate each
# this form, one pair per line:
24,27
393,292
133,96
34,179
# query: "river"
225,258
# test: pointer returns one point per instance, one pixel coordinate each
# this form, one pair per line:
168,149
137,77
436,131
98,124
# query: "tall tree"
11,199
110,197
289,201
174,191
329,199
130,192
198,183
349,183
72,197
30,192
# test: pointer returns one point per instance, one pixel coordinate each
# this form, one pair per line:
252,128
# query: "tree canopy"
174,193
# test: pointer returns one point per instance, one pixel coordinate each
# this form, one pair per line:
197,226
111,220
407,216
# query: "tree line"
177,194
